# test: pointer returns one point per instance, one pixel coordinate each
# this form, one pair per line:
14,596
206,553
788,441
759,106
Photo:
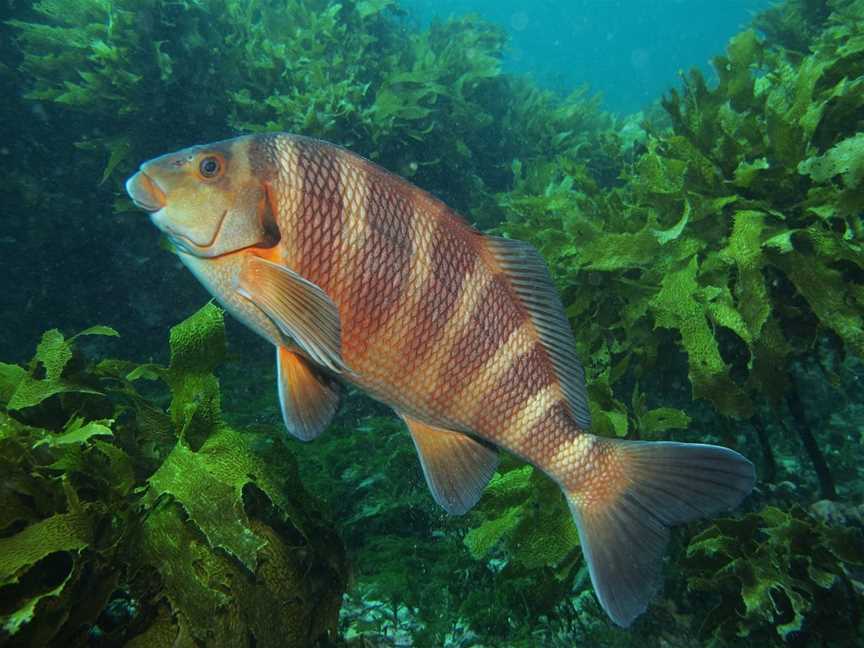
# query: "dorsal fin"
457,467
530,278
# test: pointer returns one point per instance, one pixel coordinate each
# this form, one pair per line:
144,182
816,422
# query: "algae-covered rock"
120,530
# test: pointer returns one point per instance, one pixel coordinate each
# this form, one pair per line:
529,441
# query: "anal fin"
456,466
308,398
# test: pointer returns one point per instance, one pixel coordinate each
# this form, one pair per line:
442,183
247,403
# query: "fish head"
208,200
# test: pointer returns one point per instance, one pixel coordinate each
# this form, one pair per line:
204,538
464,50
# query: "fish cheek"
244,223
195,214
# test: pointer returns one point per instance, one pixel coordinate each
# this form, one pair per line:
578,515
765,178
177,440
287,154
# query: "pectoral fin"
457,467
299,308
307,396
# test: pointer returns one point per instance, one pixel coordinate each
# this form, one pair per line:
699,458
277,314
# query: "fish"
358,277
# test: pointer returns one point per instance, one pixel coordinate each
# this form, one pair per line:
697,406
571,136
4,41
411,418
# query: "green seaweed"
197,348
421,103
44,377
523,515
66,533
370,476
123,497
736,193
844,159
793,24
780,575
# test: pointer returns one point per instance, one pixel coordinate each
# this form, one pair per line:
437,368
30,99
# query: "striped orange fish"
357,276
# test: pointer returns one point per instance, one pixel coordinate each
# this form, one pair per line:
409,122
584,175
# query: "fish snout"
145,192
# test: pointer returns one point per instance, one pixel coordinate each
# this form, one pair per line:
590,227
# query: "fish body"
356,275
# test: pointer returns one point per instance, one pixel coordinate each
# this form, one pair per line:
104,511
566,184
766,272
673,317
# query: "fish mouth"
145,193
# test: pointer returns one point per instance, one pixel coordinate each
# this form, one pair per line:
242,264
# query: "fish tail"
625,495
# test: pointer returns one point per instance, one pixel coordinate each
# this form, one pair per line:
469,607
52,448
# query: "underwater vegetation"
347,72
708,255
126,522
738,232
103,85
785,566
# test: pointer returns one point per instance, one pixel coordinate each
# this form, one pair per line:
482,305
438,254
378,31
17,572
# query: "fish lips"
148,195
145,192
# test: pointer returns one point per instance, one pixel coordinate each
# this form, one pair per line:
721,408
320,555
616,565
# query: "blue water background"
630,50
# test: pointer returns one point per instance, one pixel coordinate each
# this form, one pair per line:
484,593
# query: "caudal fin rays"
624,530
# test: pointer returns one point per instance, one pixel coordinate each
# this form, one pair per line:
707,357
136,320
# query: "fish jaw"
145,192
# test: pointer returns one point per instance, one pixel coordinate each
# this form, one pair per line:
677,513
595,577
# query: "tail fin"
624,516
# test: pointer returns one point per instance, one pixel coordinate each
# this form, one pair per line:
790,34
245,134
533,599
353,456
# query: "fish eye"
210,166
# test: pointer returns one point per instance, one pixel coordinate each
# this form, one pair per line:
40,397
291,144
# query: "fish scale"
355,275
376,283
373,275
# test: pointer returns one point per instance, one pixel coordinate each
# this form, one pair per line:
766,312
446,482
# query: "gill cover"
206,199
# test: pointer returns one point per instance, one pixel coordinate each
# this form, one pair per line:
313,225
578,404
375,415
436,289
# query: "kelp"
793,24
528,526
279,68
187,526
735,237
120,60
428,575
302,66
780,576
401,544
736,232
422,103
45,376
